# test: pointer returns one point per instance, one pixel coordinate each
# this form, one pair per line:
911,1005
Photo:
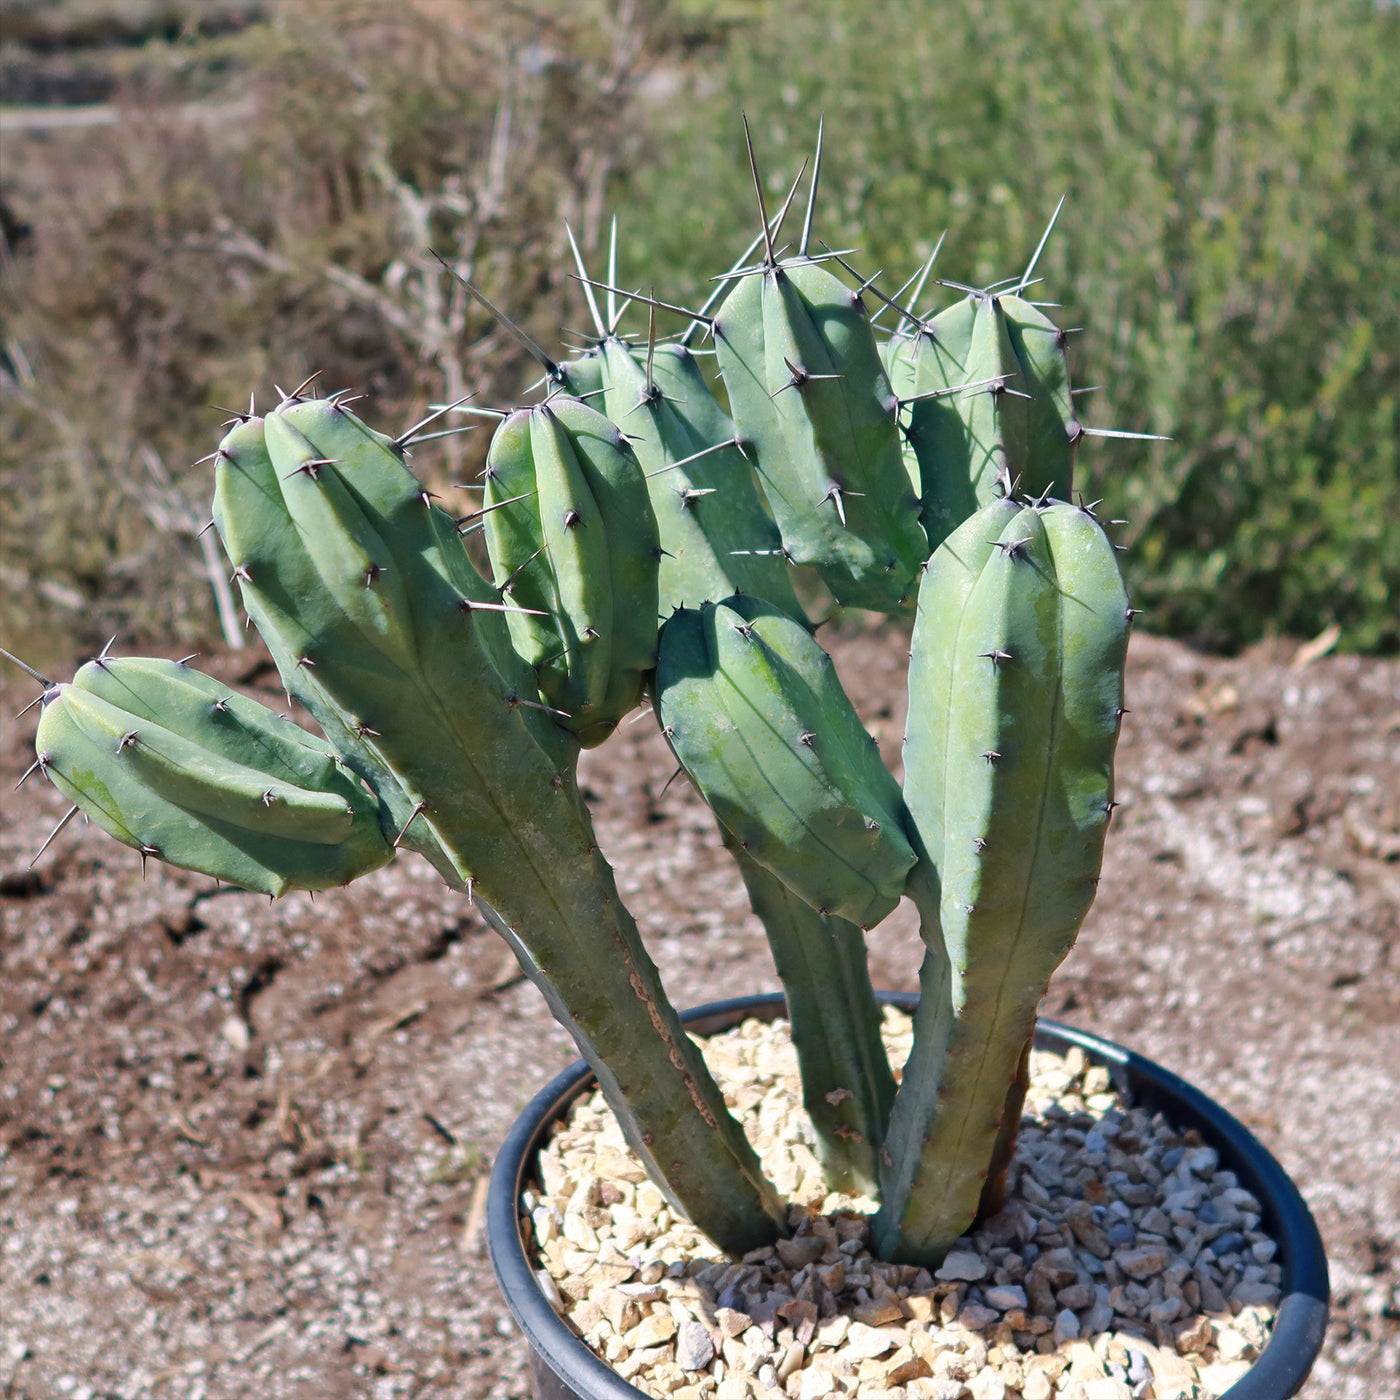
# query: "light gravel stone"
962,1265
1074,1253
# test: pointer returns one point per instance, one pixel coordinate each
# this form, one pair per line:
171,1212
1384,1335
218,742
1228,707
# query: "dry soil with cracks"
243,1146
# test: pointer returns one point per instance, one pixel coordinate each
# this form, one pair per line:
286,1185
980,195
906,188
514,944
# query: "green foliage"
1229,245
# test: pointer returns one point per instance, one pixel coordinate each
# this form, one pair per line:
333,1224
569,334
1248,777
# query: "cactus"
639,544
573,541
182,769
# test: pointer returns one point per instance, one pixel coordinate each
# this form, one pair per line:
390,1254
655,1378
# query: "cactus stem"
53,835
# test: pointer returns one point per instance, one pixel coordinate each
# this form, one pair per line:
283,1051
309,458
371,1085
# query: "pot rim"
1299,1323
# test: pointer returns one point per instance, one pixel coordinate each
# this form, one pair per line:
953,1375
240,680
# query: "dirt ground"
243,1146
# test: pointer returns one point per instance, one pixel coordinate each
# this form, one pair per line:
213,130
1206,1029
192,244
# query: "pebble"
1005,1297
1021,1309
1144,1261
962,1265
695,1349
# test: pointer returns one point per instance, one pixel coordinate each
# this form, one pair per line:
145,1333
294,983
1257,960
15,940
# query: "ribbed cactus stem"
1015,698
847,1086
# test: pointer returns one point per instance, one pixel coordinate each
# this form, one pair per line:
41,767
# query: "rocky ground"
243,1147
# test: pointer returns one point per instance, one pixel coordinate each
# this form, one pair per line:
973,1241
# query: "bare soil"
243,1146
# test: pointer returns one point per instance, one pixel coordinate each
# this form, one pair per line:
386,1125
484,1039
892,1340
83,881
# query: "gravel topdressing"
1126,1265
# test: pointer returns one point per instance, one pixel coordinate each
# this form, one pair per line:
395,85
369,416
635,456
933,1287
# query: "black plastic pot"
563,1368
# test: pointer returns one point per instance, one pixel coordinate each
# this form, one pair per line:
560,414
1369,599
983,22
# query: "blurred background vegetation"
253,199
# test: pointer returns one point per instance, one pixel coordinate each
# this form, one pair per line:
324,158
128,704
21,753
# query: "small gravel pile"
1126,1265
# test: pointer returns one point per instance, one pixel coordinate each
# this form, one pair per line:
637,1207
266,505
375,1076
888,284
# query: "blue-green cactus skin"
571,535
183,769
753,710
988,406
716,536
807,389
435,697
1015,703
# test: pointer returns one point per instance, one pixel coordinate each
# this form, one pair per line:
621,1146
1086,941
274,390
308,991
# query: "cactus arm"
515,543
493,784
1036,675
847,1086
827,448
208,782
716,535
177,790
570,531
1052,426
576,554
753,711
633,554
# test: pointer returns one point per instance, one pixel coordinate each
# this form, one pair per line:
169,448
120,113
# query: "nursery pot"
563,1368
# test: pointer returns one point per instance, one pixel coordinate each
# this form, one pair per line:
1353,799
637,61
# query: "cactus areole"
639,521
